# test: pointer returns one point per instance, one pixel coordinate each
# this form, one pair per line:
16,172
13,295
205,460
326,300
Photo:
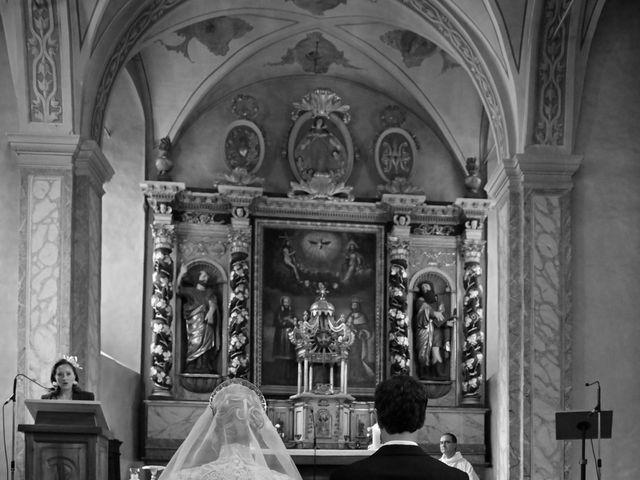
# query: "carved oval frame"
342,128
255,129
376,152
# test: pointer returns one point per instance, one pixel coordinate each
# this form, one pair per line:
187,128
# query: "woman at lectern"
64,378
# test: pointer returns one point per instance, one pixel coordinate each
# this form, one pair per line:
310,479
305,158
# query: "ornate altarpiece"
245,251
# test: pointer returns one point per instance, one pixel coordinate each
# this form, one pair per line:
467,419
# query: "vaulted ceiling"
467,69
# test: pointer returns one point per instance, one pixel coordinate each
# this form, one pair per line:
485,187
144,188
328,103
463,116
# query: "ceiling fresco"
414,48
193,56
215,34
314,54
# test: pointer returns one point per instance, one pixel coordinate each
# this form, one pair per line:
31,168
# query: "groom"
400,404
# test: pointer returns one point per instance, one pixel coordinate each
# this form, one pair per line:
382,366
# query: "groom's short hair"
401,404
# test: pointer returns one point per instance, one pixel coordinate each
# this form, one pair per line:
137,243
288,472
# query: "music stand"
580,425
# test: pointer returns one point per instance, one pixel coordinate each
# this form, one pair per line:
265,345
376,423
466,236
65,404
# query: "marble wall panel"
168,420
468,425
546,328
515,335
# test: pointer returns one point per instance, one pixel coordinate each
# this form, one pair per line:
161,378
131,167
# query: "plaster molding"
547,168
457,39
43,37
551,76
92,163
146,17
44,151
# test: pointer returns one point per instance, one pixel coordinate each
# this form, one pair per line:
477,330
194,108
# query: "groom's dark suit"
398,462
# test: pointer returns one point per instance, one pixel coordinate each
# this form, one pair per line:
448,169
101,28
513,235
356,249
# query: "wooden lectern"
69,439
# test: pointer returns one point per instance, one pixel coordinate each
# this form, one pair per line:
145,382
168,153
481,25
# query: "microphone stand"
12,398
598,411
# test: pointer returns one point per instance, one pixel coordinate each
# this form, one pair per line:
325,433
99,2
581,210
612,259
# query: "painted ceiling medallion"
414,48
315,54
243,144
215,34
317,7
395,153
320,148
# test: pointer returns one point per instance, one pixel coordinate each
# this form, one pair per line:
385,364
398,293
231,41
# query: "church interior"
316,195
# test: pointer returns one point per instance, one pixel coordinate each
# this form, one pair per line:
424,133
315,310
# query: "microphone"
597,383
12,398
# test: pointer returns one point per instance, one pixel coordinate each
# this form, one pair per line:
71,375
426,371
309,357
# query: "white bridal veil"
233,439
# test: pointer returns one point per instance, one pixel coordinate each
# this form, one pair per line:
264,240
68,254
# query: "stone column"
532,192
239,328
59,292
399,351
238,361
59,265
546,354
90,173
473,347
506,188
398,247
160,197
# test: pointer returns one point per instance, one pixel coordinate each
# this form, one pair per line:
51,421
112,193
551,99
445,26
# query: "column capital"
91,162
507,178
546,167
475,209
161,197
48,151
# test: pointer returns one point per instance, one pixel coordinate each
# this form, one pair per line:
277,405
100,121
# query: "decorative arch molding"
452,34
120,54
457,40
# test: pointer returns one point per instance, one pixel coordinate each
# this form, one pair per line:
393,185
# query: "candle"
375,437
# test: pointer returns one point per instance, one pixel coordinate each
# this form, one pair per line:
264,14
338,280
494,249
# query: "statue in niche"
201,317
432,334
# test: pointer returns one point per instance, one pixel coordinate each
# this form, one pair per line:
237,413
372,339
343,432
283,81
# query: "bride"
233,439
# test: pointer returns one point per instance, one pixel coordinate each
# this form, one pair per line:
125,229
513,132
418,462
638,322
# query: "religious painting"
300,262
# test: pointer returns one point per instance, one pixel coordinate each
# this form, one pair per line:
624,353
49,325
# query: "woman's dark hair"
401,404
63,361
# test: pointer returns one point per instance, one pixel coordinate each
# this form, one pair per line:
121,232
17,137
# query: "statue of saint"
201,318
320,151
432,334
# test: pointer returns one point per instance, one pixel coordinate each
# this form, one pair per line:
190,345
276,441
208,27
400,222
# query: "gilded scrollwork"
162,337
193,248
399,352
435,229
206,218
430,258
473,346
